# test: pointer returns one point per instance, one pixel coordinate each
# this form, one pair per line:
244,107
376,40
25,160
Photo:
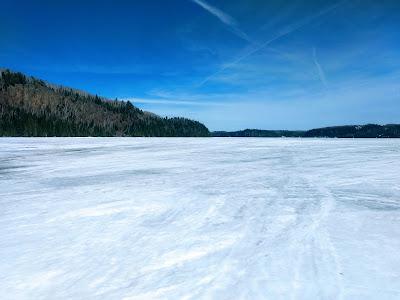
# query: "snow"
203,218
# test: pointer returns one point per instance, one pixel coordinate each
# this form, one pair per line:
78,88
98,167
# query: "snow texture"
204,218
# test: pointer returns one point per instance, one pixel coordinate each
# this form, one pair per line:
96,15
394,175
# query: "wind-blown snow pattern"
205,218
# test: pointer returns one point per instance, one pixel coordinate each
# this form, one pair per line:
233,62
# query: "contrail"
321,72
224,18
283,33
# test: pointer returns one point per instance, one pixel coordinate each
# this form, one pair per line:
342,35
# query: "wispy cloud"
286,31
224,18
173,102
320,70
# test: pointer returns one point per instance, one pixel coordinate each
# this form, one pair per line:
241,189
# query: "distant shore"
347,131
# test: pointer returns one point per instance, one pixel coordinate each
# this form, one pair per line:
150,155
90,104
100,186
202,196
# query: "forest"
347,131
33,107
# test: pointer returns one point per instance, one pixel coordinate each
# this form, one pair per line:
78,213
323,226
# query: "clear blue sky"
230,64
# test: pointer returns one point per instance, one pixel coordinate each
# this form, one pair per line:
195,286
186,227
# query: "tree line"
350,131
32,107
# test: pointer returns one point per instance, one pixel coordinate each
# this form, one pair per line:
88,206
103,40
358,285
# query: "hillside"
258,133
350,131
357,131
32,107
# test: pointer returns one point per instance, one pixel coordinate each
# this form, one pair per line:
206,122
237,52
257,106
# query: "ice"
201,218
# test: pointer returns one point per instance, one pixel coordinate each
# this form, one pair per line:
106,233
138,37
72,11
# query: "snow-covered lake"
212,218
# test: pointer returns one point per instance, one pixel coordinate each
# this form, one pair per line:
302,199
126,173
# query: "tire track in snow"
328,265
308,234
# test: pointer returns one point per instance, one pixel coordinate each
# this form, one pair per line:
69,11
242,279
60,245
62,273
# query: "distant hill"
350,131
32,107
357,131
258,133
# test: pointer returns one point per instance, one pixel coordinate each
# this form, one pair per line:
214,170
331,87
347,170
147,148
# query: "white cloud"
173,102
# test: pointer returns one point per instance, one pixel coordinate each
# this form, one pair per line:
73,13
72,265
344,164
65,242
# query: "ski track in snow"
194,218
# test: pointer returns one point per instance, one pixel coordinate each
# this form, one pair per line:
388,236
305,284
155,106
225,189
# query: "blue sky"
230,64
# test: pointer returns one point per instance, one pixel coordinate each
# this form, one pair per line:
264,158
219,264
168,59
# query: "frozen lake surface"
213,218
